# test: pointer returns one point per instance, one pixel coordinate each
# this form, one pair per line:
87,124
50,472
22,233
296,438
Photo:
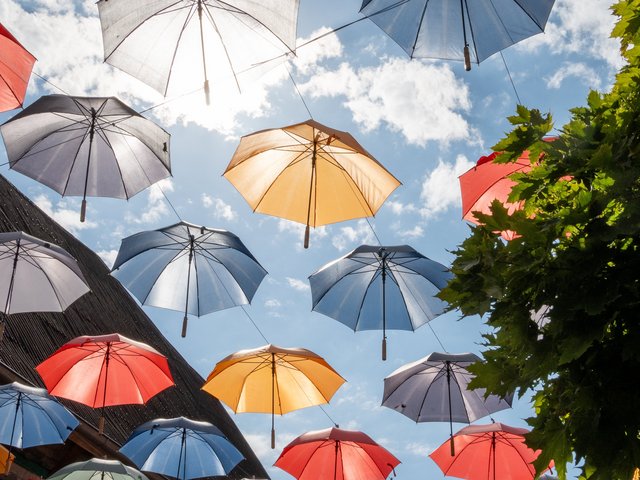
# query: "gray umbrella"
215,268
435,389
86,146
36,276
98,469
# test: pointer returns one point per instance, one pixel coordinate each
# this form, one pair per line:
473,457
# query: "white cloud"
272,303
350,237
68,218
419,449
108,256
307,56
220,208
440,188
359,396
298,284
585,74
157,204
415,232
399,208
378,96
297,229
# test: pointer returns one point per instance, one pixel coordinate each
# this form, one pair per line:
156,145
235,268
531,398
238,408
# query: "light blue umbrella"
181,448
97,469
188,268
30,417
380,288
456,30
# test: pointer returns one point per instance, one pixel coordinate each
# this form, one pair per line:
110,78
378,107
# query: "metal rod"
273,400
83,209
453,448
467,58
104,392
10,290
313,171
186,302
384,309
204,60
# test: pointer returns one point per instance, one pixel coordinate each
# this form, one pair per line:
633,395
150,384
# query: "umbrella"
354,289
435,389
488,452
488,181
273,379
472,31
105,370
87,146
337,455
16,64
97,469
214,266
161,40
36,276
30,417
181,448
310,174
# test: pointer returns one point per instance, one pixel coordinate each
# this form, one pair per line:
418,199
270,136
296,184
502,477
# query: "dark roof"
108,308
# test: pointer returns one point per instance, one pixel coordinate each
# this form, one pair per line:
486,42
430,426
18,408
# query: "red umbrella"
15,69
335,454
488,452
488,181
105,370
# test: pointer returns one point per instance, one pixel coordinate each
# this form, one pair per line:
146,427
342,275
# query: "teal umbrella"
98,469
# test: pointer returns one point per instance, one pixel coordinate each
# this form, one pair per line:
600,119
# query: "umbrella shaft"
13,276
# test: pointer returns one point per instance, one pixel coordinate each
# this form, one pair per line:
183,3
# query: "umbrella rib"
102,133
30,152
528,15
73,163
180,253
424,11
224,47
46,276
321,444
373,277
190,15
438,375
477,439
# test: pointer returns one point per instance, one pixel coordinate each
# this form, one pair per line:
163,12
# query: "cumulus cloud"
350,237
272,303
68,218
412,233
157,205
108,256
377,96
298,284
585,74
440,189
399,208
220,208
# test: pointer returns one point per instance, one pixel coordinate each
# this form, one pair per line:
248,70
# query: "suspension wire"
168,201
50,83
374,232
295,85
437,338
510,78
328,416
170,100
254,323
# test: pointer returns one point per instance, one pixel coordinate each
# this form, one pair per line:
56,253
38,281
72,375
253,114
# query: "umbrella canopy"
105,370
435,389
375,287
97,469
273,379
309,173
488,452
185,267
16,64
87,146
488,181
158,41
30,417
335,454
29,265
181,448
472,31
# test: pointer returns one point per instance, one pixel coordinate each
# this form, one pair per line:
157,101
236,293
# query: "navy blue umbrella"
189,268
452,30
181,448
380,288
30,417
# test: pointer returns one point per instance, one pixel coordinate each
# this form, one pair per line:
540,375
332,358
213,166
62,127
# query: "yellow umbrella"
310,174
272,379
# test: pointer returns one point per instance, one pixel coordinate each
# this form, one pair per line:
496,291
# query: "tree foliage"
577,260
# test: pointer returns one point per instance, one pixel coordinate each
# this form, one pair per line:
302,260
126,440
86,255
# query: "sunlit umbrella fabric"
87,146
181,448
167,42
37,276
98,469
380,288
440,29
188,268
30,417
273,379
309,173
487,452
336,454
105,370
16,64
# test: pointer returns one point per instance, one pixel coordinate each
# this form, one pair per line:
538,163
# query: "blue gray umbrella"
181,448
469,30
380,288
435,389
188,268
30,417
97,469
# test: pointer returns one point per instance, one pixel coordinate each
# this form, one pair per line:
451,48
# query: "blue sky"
426,121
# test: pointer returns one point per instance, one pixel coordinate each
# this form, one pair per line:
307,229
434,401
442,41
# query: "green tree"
578,258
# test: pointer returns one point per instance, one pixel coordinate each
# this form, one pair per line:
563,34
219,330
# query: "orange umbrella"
15,69
272,379
309,173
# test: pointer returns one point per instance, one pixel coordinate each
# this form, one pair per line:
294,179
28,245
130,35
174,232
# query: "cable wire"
510,78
